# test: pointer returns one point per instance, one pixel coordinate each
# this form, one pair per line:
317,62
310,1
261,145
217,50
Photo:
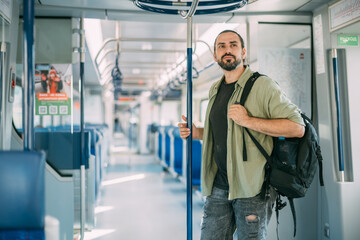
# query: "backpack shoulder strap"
258,145
247,88
280,205
249,84
292,207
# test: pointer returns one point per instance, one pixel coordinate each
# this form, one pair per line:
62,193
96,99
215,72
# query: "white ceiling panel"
145,60
274,5
94,4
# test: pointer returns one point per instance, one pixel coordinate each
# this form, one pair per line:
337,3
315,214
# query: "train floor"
139,200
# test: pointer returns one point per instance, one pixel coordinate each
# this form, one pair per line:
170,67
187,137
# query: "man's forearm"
275,127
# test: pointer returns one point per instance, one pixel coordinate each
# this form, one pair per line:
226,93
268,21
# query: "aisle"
140,201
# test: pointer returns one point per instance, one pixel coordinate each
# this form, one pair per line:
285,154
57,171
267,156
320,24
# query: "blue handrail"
189,125
188,4
28,68
338,113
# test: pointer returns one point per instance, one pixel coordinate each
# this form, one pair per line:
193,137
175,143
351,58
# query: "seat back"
196,162
167,130
63,148
22,199
178,151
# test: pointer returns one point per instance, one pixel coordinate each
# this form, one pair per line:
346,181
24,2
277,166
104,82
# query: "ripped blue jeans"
249,216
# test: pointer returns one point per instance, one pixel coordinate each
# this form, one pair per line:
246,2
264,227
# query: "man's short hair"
231,31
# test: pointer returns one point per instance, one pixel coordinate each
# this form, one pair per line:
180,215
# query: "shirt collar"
244,77
241,81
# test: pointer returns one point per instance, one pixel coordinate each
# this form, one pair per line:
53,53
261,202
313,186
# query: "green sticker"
348,40
53,107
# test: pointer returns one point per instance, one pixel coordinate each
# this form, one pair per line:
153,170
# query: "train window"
169,112
17,108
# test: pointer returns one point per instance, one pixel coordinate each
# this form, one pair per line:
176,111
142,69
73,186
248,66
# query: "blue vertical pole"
28,68
338,113
189,123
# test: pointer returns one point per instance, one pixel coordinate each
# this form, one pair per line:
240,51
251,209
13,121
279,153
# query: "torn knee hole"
251,218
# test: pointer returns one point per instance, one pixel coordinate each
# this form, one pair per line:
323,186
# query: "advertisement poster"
53,89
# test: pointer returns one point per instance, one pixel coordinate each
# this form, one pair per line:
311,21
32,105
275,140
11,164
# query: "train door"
286,57
337,54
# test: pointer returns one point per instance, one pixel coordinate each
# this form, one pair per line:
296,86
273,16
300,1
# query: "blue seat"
196,162
63,149
167,144
22,200
178,151
160,137
94,132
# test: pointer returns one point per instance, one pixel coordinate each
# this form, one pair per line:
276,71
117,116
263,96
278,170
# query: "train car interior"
92,92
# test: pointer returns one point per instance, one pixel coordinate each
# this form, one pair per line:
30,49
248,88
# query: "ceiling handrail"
153,6
188,4
109,40
191,11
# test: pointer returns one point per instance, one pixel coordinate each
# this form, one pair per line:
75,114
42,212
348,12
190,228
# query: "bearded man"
234,185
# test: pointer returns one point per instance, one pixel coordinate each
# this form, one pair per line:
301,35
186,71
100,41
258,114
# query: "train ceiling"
143,61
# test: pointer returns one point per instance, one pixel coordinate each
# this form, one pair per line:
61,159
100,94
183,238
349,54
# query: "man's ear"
215,56
244,53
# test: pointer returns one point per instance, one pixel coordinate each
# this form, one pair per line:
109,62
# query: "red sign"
125,98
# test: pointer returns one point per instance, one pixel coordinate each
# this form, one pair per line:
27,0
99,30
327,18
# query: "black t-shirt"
219,127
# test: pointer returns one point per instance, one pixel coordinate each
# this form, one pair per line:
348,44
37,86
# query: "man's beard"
229,66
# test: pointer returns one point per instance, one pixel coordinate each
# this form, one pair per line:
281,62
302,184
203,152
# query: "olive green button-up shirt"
266,100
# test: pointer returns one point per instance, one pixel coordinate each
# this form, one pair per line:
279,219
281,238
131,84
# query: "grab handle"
338,113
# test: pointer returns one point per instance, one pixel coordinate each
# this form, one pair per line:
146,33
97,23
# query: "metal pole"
2,87
338,112
82,125
28,69
189,123
2,81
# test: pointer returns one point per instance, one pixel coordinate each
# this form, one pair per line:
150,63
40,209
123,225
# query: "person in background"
234,186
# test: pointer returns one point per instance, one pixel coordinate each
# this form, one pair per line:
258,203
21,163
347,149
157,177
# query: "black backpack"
292,165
